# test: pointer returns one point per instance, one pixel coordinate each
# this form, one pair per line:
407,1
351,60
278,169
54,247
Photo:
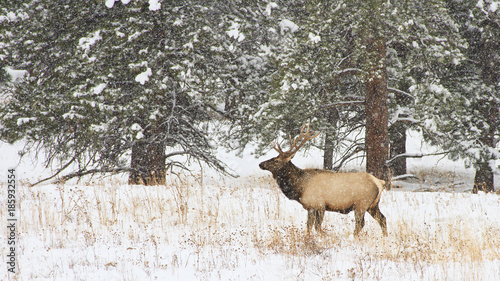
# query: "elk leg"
311,218
379,217
320,214
360,221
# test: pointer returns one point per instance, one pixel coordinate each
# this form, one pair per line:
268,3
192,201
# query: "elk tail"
380,184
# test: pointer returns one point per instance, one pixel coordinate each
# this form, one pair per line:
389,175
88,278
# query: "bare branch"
82,173
58,171
347,156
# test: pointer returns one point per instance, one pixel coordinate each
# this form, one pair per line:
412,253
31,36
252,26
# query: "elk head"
279,162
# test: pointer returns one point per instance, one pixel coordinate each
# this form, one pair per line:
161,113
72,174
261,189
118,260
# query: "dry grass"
227,224
405,244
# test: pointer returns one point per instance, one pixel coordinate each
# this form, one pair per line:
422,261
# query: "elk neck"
288,178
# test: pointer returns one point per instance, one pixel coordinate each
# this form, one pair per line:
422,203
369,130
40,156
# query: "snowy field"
208,227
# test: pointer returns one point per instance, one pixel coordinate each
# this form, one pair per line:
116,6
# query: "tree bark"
397,136
328,154
377,135
484,178
333,116
148,163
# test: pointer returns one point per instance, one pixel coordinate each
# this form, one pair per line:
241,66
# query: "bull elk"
322,190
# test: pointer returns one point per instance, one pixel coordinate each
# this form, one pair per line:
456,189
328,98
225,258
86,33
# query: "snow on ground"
245,229
209,227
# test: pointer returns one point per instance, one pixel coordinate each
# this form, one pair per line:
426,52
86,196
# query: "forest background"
129,86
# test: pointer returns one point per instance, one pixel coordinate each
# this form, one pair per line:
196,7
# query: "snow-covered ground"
209,227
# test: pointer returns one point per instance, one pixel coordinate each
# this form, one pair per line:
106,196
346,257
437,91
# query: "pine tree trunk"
397,136
328,154
333,116
484,178
148,163
138,163
377,135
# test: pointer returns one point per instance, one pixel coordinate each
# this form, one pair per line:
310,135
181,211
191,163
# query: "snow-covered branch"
399,92
407,120
403,177
413,155
350,70
344,103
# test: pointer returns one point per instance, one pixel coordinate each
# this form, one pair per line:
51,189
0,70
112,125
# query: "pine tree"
337,53
110,89
462,108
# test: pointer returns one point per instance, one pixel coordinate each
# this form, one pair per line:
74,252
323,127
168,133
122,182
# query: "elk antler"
297,143
277,147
